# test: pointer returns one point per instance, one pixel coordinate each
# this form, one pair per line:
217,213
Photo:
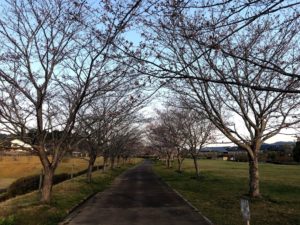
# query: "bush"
27,184
61,177
23,185
296,152
3,197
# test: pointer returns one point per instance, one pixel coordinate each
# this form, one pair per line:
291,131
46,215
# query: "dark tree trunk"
180,161
47,185
196,165
253,177
124,160
118,161
112,162
168,162
90,168
105,160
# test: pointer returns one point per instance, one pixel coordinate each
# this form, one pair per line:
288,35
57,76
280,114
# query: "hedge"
27,184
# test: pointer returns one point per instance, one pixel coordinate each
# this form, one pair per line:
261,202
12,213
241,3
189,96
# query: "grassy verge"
26,209
217,193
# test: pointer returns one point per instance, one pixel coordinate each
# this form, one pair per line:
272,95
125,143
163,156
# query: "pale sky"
286,134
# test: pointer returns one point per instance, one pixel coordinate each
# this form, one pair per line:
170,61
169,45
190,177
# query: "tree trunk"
90,168
105,159
112,162
118,161
253,177
196,165
168,162
47,185
180,161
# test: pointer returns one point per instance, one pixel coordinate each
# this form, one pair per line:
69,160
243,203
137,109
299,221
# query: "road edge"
184,199
190,204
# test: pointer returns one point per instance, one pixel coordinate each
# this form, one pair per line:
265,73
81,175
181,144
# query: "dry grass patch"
12,168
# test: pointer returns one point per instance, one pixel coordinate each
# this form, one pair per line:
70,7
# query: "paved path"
137,197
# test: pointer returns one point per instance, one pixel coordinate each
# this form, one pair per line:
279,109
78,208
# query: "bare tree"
104,120
173,120
159,139
231,59
198,131
123,144
54,60
209,25
182,130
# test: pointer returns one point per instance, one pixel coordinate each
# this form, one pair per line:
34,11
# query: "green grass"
26,209
218,191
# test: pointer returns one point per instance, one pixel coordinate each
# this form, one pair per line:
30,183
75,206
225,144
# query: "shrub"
27,184
23,185
3,197
296,152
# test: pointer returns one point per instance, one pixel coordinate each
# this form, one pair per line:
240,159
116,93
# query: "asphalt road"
137,197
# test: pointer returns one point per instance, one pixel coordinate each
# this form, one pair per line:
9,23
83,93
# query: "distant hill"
283,143
276,146
216,149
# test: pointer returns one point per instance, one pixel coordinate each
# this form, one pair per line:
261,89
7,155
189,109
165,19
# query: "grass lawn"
12,168
26,209
217,193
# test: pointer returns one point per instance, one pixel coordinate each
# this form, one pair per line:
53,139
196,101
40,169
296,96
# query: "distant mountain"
283,143
276,146
216,149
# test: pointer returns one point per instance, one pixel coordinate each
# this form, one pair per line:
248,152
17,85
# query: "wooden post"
72,171
245,209
41,180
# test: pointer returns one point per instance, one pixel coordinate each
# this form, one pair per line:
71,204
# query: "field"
218,191
12,168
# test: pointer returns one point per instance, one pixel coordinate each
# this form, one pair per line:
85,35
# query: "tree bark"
47,185
118,161
168,162
105,159
196,165
90,168
180,161
253,177
112,162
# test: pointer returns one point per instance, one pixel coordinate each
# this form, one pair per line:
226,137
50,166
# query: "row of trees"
236,61
62,77
224,59
181,132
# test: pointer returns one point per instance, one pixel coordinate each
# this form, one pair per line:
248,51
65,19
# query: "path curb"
187,201
69,216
